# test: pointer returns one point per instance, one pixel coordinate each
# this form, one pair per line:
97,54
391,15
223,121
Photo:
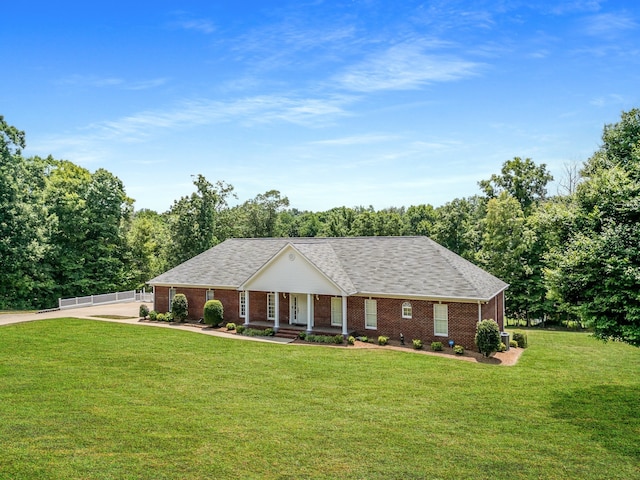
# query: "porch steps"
288,333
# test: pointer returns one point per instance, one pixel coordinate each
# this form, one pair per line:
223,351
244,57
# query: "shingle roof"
396,266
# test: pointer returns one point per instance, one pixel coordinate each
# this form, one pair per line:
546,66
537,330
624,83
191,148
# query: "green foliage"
363,338
382,340
231,326
143,311
436,346
513,343
256,332
502,347
351,340
488,337
153,315
594,275
417,343
458,349
521,339
336,339
180,307
213,313
161,317
302,335
240,329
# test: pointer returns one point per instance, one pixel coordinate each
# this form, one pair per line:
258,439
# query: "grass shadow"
609,413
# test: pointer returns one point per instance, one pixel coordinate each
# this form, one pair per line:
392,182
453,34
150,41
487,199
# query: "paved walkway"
129,310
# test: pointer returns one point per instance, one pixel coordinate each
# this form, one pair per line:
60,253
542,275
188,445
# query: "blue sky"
331,102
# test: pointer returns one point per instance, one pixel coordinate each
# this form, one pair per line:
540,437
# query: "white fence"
117,297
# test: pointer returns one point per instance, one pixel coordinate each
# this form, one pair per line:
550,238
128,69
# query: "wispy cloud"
356,140
404,67
94,81
142,126
607,100
186,21
608,25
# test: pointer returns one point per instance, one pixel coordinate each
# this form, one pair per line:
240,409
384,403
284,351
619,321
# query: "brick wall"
462,316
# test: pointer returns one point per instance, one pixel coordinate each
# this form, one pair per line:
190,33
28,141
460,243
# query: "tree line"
572,256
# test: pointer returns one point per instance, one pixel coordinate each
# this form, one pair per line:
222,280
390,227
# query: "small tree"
488,337
180,307
213,312
144,311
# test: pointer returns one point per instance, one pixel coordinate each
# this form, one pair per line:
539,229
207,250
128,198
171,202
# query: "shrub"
180,307
231,326
144,311
417,344
436,346
502,347
488,337
351,340
521,338
153,315
458,349
256,332
161,317
513,344
168,317
363,339
213,313
338,339
382,340
302,335
240,329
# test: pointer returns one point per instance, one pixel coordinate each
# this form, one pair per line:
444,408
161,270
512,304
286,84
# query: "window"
407,312
271,306
336,311
441,320
371,314
172,293
209,296
243,305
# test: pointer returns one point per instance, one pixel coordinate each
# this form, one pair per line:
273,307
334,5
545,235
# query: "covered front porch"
293,331
290,292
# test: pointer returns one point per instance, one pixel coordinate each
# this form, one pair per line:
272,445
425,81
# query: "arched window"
407,311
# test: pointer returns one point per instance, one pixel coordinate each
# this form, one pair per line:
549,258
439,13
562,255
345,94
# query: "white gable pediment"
290,271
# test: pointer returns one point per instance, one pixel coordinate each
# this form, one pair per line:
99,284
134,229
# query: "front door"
298,306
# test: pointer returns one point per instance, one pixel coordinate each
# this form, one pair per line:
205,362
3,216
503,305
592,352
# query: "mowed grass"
91,399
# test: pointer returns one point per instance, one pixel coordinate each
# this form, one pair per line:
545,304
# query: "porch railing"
104,298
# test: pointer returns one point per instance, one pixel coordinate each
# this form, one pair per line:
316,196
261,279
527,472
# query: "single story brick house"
366,285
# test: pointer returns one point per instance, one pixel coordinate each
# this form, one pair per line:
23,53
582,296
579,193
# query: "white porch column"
309,310
246,307
479,311
276,320
345,330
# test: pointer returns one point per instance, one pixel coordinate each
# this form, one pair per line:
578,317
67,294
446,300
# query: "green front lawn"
91,399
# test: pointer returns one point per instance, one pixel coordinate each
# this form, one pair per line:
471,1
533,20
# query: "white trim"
368,301
242,304
172,295
407,305
345,331
436,306
271,295
431,298
333,322
206,295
